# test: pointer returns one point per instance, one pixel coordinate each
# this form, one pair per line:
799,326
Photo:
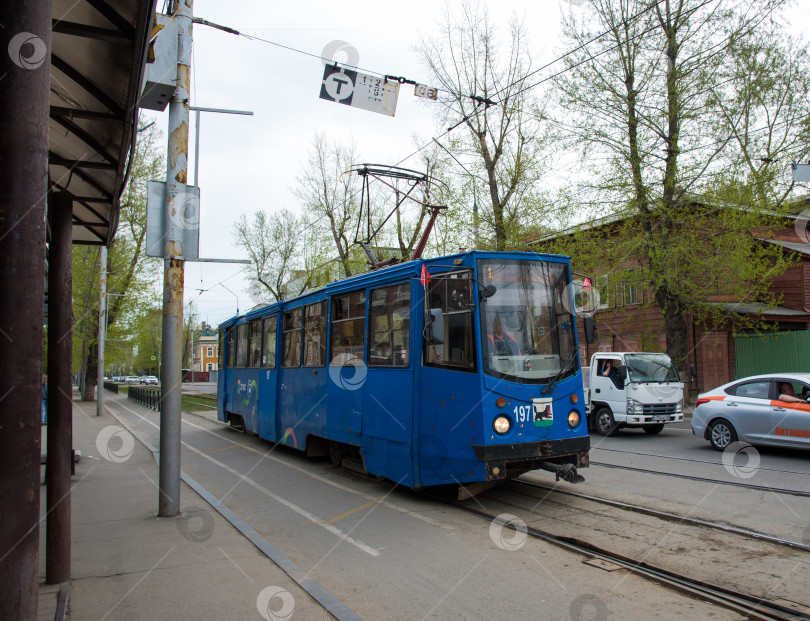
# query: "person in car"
787,394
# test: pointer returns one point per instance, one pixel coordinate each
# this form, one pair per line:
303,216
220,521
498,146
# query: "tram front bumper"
503,460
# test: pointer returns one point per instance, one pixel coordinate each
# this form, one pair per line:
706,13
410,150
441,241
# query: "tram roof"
392,273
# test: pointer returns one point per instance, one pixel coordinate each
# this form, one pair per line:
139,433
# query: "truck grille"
660,408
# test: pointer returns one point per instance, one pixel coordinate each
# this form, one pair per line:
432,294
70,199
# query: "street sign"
359,90
154,357
186,217
428,92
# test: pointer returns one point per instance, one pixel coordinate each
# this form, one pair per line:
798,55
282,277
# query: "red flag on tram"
425,279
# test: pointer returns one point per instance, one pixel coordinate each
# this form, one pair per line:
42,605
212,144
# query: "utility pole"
102,328
173,259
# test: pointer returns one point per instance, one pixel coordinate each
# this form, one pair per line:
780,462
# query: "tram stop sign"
359,90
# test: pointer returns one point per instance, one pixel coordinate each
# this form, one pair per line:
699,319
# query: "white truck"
632,389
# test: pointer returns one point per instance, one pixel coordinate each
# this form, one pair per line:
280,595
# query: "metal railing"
147,397
111,386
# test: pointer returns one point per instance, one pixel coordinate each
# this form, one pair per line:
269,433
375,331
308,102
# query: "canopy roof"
97,60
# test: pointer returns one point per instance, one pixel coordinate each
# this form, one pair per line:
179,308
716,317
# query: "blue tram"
452,370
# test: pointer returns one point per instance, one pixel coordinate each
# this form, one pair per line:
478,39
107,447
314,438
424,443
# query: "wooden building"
629,319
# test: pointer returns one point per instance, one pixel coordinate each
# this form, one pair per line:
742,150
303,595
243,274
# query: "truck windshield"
527,329
650,368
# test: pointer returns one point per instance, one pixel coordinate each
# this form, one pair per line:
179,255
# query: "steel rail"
751,606
672,517
764,488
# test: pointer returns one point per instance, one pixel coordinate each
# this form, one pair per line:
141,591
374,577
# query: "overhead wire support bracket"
415,178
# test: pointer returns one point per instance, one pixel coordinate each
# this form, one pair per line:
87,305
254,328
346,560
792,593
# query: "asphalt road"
388,552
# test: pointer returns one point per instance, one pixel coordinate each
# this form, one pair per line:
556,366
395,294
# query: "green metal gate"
774,353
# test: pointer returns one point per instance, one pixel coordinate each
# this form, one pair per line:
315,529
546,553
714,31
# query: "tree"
488,92
646,99
272,243
330,195
130,273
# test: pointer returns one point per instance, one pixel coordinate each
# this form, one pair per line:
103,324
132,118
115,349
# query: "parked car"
151,379
770,410
133,379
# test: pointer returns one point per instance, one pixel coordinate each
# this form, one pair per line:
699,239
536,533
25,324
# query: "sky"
249,163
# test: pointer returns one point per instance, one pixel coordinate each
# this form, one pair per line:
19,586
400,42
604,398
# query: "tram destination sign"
359,90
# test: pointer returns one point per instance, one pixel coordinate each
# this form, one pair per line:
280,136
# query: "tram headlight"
501,425
573,418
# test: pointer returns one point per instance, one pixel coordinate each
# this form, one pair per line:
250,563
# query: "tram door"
388,389
267,380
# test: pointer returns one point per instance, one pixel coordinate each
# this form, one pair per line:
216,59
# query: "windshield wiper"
569,358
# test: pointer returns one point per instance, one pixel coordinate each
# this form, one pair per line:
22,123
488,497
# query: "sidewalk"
129,564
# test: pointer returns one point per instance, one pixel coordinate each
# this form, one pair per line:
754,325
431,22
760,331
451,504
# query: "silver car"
769,410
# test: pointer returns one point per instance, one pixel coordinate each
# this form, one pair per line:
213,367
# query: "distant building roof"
794,246
756,308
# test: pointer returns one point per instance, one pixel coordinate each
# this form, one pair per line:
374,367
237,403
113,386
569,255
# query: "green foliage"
130,274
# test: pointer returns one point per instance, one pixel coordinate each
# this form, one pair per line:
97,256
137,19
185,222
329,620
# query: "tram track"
670,517
689,477
751,606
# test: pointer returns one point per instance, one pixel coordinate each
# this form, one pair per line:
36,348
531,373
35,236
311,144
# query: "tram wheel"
335,453
653,429
605,423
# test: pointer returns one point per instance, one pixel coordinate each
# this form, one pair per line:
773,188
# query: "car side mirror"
622,372
434,327
590,329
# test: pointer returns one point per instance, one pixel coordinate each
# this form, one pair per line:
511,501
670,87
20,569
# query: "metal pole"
192,353
171,348
23,185
60,399
102,328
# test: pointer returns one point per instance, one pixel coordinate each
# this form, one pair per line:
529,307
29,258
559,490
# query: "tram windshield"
527,327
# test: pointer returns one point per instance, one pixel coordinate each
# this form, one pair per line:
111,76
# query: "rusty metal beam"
78,113
86,138
60,401
67,163
113,16
91,32
87,85
23,187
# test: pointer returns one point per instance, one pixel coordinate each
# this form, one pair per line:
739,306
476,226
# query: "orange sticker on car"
802,407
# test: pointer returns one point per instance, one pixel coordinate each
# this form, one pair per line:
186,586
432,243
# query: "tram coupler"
566,472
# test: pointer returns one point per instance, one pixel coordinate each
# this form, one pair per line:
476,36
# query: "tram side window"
269,343
390,326
230,348
315,335
291,338
241,345
452,294
348,327
255,346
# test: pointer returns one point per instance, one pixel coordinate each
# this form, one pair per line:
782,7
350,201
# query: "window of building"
291,338
241,345
452,295
269,343
210,367
315,335
209,352
390,326
255,343
630,286
348,327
